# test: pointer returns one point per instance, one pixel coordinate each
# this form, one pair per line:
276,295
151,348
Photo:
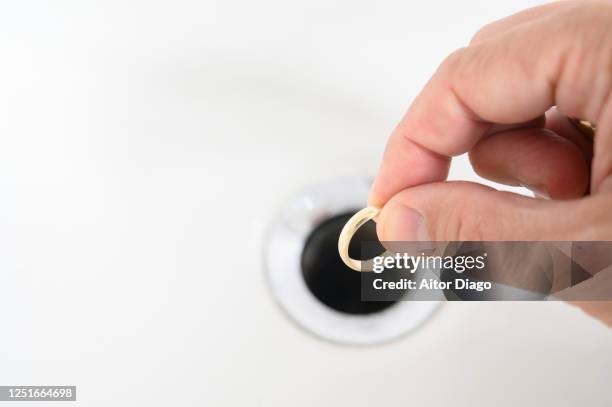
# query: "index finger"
562,59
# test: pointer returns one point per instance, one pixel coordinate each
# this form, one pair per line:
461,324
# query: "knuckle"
482,34
481,215
585,79
454,60
469,227
462,220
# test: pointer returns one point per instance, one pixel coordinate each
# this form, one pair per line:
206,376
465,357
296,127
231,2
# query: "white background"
143,147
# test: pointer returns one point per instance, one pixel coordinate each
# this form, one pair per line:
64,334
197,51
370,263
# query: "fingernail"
539,191
405,224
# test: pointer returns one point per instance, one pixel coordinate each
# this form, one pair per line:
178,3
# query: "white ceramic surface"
144,146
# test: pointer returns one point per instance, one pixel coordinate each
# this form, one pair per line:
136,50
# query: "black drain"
327,277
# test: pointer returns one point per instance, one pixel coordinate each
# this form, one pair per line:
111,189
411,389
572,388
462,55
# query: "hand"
494,99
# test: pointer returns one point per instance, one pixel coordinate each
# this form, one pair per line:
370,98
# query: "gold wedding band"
355,222
583,126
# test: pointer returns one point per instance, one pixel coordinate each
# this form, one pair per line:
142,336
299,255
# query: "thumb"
463,211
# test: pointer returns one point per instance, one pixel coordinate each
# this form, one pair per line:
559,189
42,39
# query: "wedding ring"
583,126
354,223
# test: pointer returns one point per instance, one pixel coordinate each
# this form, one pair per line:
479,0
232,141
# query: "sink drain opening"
326,275
310,282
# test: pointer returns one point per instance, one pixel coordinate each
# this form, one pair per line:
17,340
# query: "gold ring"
355,222
583,126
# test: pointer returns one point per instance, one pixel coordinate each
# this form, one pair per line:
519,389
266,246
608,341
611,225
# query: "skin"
504,99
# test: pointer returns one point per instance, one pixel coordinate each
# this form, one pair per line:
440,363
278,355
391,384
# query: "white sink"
144,149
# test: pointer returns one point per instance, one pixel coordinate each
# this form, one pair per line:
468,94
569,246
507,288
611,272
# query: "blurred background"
147,150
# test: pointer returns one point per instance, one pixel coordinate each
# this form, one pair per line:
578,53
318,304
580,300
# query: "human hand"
494,99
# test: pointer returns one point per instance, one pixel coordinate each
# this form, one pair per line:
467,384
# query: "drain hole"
327,277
